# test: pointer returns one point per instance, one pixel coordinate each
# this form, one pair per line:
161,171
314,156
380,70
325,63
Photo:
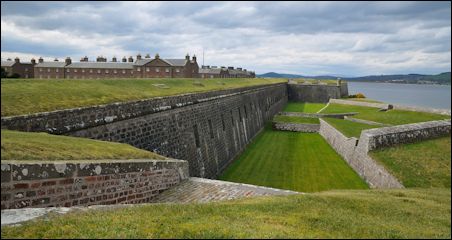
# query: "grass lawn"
317,81
25,96
303,107
407,213
349,128
291,119
393,117
296,161
42,146
422,164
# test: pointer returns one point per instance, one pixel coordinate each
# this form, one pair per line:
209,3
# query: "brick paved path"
202,190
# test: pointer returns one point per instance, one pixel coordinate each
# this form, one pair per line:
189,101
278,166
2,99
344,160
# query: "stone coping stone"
364,104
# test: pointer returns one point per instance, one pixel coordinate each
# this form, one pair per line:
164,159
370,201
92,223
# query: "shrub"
358,95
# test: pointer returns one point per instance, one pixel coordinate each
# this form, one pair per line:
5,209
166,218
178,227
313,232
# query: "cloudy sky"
310,38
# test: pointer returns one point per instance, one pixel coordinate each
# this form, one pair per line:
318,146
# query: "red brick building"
24,70
222,72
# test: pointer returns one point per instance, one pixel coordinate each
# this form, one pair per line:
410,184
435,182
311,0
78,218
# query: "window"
48,69
40,69
157,69
114,71
147,69
167,70
139,69
83,70
98,70
67,70
106,71
91,71
177,70
123,71
75,70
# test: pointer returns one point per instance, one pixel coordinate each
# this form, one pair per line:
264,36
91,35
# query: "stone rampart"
296,127
84,183
316,92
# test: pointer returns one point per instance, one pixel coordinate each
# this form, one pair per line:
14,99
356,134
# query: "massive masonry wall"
316,92
207,129
84,183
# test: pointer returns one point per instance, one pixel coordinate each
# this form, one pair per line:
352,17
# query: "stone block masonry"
316,92
296,127
84,183
318,115
207,129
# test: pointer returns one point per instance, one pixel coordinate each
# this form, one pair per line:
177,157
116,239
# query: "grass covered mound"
408,213
25,96
421,164
303,107
294,119
392,117
42,146
296,161
349,128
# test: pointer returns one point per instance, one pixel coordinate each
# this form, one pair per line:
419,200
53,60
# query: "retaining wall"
422,109
364,104
318,115
84,183
316,92
373,173
207,129
296,127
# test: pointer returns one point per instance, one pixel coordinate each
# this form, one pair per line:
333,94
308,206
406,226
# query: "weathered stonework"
84,183
316,92
318,115
377,138
296,127
373,173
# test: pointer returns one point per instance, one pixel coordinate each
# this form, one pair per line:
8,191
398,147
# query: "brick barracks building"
146,67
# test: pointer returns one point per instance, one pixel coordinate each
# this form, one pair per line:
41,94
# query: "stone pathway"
201,190
193,190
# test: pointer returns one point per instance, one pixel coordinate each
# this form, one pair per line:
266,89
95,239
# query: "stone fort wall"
316,92
207,129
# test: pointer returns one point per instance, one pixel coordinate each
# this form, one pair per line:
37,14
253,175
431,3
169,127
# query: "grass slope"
422,164
24,96
303,107
292,119
42,146
408,213
393,117
296,161
349,128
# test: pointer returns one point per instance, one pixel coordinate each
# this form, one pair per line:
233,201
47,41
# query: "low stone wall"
84,183
422,109
364,104
318,115
389,136
373,173
296,127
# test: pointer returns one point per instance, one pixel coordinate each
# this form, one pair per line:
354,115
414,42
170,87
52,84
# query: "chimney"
124,59
16,60
230,67
33,61
98,59
187,57
84,59
147,56
240,69
56,60
214,66
68,61
157,56
194,58
130,59
40,60
9,59
114,59
138,57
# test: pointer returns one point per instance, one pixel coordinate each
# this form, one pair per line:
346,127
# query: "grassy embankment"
423,164
42,146
295,161
25,96
390,117
407,213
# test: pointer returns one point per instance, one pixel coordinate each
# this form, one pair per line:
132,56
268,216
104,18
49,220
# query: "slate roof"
210,70
7,63
176,62
106,65
51,64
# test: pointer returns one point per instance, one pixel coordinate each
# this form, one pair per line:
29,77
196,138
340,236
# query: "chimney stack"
147,56
68,61
231,68
130,59
194,58
33,61
9,59
84,59
157,56
240,69
114,59
124,59
16,60
40,60
138,57
187,57
56,60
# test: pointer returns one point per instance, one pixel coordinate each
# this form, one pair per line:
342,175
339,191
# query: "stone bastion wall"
207,129
316,92
84,183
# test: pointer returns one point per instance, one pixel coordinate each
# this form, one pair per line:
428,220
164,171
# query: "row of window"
167,70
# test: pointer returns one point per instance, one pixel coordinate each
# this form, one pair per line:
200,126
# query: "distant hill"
442,78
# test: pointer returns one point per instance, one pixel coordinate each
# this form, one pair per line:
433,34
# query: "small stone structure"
296,127
84,183
316,92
